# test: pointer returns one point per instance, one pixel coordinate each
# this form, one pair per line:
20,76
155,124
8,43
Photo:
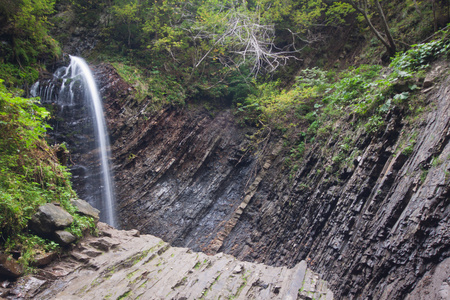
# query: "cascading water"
77,91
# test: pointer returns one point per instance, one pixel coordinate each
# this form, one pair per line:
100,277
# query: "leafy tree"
128,14
30,25
167,23
25,39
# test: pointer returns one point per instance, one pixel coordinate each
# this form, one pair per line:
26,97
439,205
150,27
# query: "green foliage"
21,119
27,41
419,56
374,124
166,26
408,150
29,246
161,89
30,174
80,225
308,111
128,14
17,76
355,91
24,177
337,12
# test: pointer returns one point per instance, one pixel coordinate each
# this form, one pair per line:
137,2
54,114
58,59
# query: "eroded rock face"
374,231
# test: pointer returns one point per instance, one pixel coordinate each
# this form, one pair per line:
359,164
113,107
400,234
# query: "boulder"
9,267
43,259
63,237
49,218
84,208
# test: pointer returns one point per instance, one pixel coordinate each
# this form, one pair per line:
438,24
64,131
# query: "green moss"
197,265
124,296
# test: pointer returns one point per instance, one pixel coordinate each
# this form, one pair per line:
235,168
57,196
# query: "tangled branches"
240,39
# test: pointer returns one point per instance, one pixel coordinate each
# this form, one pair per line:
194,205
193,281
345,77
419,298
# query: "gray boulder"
49,218
84,208
63,237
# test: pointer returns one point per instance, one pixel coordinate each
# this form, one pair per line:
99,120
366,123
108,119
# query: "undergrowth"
311,110
30,176
160,88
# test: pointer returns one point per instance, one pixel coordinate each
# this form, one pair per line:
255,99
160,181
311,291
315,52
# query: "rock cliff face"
378,229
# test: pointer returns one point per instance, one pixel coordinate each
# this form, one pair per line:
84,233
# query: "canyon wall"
376,229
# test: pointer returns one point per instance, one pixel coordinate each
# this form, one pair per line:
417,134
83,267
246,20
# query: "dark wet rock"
9,267
27,287
48,218
435,284
86,209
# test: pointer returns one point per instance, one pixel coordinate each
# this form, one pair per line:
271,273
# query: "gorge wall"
378,229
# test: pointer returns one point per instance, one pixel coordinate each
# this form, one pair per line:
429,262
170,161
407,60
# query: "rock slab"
146,267
84,208
9,267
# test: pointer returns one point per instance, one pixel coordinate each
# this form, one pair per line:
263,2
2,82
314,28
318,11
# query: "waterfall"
78,90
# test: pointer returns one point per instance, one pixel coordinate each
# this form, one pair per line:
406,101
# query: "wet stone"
43,259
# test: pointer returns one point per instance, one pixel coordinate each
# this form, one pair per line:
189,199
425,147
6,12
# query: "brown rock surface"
9,267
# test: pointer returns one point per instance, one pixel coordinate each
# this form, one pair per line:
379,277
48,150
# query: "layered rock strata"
376,228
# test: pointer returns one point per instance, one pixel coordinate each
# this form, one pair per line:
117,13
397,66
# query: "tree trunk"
388,42
392,48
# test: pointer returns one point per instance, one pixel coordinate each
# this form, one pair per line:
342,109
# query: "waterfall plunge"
77,79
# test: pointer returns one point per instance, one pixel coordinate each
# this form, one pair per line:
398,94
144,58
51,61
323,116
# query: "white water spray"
79,67
78,88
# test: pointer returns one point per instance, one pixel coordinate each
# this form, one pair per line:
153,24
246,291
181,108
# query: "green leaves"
21,118
30,30
30,174
419,56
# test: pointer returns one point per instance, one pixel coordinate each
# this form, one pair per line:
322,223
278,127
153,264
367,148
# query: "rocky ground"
126,265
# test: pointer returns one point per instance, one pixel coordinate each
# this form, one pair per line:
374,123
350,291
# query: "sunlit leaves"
22,116
30,28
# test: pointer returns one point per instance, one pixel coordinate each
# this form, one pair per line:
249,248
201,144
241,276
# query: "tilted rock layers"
378,230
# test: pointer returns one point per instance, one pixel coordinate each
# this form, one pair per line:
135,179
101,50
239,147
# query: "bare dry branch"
246,41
